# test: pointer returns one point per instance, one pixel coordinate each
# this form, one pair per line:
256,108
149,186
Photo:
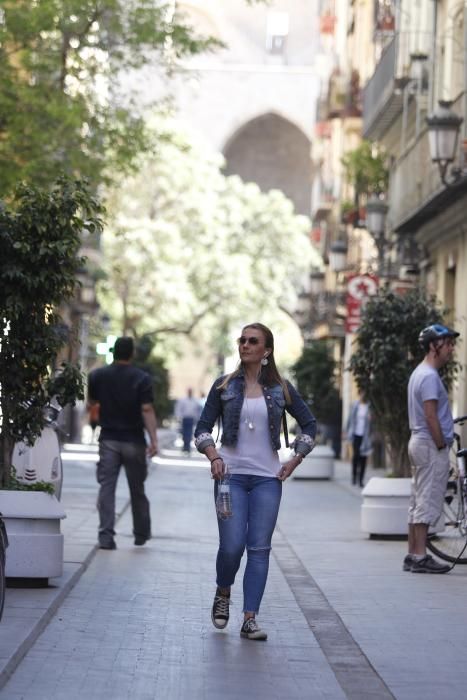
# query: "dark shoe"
428,565
140,540
108,545
408,561
250,630
220,611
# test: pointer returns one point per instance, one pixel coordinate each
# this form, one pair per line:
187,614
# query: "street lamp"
376,212
316,282
443,134
338,256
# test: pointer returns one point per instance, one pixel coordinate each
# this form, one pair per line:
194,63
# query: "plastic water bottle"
224,498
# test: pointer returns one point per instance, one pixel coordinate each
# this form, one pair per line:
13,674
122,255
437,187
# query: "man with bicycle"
432,434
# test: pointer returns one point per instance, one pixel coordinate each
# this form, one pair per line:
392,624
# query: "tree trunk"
399,458
6,453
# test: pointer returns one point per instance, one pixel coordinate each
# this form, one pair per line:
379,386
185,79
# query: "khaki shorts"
430,471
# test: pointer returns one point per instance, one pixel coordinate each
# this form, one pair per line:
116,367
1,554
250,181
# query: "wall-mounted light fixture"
443,134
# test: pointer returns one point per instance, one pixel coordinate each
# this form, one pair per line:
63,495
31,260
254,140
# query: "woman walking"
250,402
359,434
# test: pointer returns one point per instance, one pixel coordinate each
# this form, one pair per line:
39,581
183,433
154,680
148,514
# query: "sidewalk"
28,610
343,620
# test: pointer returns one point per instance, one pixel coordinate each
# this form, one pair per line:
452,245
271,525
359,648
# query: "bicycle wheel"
2,584
449,542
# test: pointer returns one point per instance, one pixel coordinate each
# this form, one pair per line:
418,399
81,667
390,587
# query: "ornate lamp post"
338,256
316,282
376,212
443,134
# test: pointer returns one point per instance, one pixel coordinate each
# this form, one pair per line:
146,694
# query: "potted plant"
366,170
40,238
315,376
386,352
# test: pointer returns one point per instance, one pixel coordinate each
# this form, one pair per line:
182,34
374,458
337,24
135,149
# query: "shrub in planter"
386,352
40,238
315,376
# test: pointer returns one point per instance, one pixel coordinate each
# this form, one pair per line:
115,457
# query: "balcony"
383,94
416,192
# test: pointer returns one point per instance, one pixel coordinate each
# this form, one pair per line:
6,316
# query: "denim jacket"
227,404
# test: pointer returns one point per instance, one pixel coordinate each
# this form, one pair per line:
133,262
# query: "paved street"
343,620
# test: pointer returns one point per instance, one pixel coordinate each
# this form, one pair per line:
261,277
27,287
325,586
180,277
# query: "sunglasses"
243,340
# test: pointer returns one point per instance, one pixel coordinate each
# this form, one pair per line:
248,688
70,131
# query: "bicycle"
449,542
3,548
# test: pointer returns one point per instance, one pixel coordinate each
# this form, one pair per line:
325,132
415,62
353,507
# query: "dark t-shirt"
121,390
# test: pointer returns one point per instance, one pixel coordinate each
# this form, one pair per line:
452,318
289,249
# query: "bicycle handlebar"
461,419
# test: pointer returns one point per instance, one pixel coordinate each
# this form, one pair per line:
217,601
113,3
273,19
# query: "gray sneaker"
428,565
408,561
250,630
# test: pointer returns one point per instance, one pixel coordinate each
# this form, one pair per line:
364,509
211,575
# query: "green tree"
186,245
386,353
366,169
155,367
40,237
63,105
315,373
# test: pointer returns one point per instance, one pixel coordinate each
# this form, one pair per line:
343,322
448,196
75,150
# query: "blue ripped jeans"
255,505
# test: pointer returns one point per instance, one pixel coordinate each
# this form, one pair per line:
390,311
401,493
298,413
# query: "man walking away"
187,411
432,434
125,398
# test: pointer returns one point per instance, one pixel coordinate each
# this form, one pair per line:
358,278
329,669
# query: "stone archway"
274,153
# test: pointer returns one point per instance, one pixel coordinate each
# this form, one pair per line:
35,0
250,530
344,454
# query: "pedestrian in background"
125,398
431,437
359,434
251,402
187,411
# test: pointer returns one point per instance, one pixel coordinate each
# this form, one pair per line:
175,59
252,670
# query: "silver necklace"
249,419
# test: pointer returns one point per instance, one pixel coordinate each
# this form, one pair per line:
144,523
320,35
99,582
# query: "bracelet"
215,459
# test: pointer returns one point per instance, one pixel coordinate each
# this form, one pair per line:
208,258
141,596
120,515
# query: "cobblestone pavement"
343,620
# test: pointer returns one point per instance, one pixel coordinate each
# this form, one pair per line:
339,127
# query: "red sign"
359,288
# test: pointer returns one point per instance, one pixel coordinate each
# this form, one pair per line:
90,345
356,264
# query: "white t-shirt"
425,385
253,453
187,408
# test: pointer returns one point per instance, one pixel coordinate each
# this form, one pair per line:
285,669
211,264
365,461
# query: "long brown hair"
269,373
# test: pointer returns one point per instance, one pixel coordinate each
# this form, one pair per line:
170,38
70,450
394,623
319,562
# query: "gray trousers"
132,456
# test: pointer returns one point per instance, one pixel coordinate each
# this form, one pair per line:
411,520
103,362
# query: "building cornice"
432,207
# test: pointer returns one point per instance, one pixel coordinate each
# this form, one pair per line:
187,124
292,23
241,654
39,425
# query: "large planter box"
319,464
32,520
385,506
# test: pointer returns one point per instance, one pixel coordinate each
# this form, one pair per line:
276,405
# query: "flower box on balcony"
327,23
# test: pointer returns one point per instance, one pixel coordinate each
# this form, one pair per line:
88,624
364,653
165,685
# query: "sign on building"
359,288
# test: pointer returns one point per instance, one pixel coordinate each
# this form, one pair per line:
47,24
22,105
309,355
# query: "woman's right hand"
217,468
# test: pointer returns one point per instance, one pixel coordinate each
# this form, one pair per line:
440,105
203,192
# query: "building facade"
399,58
254,101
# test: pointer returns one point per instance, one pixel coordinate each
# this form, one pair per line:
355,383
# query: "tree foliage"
366,170
40,238
315,374
63,106
386,353
187,245
146,360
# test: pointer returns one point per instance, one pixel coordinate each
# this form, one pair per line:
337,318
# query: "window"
277,30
